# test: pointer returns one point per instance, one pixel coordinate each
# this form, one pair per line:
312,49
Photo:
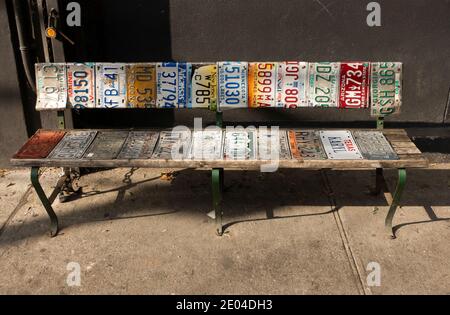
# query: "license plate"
204,86
270,143
306,144
240,145
374,146
106,145
51,84
139,145
340,145
354,85
141,85
207,145
81,85
262,84
233,84
40,144
173,145
292,83
386,92
111,81
73,145
173,84
323,84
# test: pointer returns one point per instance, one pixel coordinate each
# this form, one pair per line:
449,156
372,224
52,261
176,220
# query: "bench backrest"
222,85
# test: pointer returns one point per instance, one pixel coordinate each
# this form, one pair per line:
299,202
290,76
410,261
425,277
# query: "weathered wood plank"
409,157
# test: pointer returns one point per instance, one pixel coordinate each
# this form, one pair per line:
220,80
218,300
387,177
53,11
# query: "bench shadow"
249,196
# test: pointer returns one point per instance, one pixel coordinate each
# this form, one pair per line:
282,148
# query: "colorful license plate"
40,144
111,81
204,86
233,84
306,145
386,92
106,145
240,145
273,144
51,86
81,85
173,84
374,145
207,145
141,85
139,145
292,83
354,85
173,145
262,84
340,145
73,145
323,84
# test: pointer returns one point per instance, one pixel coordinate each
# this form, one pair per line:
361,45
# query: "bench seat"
409,157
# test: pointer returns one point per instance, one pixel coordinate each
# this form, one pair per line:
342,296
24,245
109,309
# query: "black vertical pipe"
24,35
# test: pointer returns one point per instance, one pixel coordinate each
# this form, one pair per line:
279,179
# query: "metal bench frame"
217,181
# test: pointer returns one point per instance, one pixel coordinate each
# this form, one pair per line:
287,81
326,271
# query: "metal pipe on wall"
23,34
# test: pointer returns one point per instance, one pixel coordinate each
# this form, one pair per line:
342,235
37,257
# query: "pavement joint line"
23,200
358,276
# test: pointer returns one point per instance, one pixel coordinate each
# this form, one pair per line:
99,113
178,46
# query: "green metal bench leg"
395,201
379,182
217,198
45,201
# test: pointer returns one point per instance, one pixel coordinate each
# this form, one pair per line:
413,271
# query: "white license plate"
51,86
173,145
323,84
233,84
273,145
81,85
354,85
173,84
207,145
340,145
262,84
386,92
111,81
204,86
292,83
240,145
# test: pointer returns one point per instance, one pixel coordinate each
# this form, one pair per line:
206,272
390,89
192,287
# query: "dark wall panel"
415,32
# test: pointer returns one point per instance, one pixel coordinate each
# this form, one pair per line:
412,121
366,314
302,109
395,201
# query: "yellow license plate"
204,86
141,85
262,84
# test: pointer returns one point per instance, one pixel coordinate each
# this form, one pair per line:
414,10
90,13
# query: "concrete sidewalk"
133,232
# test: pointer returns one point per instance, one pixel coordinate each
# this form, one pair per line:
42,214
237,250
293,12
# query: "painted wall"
415,32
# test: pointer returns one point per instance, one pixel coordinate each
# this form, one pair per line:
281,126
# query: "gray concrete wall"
415,32
13,131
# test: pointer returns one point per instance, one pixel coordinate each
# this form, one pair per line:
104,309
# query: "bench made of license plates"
216,149
375,86
221,86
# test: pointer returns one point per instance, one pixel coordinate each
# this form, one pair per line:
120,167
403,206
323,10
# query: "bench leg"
379,182
217,186
395,201
45,201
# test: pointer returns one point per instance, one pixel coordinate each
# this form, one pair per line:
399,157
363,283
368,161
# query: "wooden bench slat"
409,157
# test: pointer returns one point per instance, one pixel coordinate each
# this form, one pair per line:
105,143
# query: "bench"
43,148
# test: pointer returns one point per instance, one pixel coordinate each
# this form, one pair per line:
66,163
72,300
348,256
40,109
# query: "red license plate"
354,85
